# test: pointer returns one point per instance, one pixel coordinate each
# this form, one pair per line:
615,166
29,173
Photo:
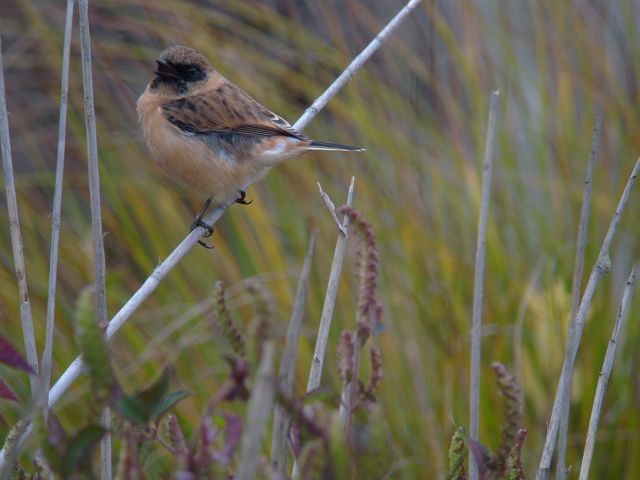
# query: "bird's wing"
226,109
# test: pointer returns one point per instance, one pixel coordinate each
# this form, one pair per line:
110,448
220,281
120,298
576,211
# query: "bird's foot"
208,231
198,222
242,200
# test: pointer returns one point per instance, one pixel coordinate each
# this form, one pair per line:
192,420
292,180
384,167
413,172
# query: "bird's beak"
165,69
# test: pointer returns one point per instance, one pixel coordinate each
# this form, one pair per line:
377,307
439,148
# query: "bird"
209,134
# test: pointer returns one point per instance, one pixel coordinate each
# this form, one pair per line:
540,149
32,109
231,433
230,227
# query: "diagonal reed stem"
478,282
599,269
603,377
357,62
315,371
317,361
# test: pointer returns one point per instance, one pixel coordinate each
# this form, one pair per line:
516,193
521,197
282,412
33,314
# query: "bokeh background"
420,108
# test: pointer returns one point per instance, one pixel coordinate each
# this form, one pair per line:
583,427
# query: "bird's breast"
208,168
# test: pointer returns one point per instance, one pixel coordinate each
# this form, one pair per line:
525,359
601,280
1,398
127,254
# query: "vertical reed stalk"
561,468
47,352
16,239
258,412
288,363
96,215
478,282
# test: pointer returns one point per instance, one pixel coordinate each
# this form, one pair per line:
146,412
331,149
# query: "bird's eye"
192,72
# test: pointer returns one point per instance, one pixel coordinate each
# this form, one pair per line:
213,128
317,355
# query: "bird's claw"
207,233
242,200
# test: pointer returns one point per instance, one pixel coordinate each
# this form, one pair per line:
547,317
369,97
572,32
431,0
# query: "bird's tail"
314,145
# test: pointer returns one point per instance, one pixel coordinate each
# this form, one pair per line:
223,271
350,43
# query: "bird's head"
181,71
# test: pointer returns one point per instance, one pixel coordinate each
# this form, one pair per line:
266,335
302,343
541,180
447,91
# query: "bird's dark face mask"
176,77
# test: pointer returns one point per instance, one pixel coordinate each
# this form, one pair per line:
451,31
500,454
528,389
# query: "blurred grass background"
420,108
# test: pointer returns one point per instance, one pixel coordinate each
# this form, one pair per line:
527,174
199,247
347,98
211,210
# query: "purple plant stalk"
300,419
376,369
513,410
369,310
515,468
265,312
207,434
128,466
224,322
233,388
345,352
176,437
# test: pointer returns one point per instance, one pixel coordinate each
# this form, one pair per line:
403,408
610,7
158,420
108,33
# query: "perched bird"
209,134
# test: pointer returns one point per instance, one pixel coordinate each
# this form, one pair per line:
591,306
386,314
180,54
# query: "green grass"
420,109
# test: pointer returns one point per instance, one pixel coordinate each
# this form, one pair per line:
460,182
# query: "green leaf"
50,449
337,449
94,348
132,408
80,447
319,395
457,454
147,404
154,393
168,402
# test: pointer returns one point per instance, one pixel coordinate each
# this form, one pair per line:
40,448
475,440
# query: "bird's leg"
198,222
242,200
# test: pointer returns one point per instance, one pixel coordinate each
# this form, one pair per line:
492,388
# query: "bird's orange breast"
187,159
